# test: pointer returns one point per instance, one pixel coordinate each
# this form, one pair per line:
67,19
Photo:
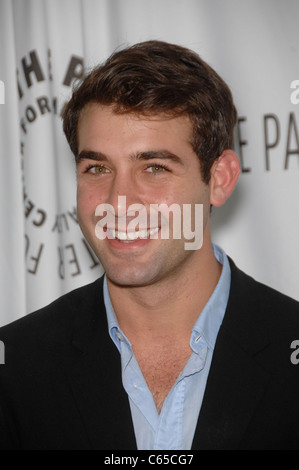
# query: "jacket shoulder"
263,321
57,317
246,288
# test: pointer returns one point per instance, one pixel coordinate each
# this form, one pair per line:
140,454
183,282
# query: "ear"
224,175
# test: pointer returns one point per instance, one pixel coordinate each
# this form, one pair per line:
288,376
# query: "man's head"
153,124
155,78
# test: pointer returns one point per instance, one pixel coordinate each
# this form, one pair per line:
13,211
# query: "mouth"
130,237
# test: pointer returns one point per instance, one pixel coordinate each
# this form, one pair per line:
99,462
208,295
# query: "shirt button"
197,339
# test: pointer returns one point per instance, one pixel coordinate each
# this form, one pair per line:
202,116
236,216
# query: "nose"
123,193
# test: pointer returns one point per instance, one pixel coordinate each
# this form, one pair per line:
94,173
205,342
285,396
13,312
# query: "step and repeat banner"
48,45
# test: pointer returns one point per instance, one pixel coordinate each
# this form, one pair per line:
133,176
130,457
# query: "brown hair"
156,77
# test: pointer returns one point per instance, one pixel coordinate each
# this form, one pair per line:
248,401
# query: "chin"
133,277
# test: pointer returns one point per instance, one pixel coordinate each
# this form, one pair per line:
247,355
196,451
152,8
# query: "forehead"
100,125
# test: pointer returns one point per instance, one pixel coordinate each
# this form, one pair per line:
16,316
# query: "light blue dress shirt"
174,427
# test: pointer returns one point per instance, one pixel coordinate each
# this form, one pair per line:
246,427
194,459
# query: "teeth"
111,232
135,235
131,236
121,235
153,231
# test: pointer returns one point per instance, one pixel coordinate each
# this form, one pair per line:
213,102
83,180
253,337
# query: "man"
174,348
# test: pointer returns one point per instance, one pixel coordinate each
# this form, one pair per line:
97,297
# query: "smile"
132,236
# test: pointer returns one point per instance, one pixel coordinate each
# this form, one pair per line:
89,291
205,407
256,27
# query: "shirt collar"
208,322
115,333
211,317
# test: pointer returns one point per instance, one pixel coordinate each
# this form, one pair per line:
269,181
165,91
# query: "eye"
155,169
96,170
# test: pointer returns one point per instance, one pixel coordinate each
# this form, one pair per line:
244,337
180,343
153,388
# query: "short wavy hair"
156,77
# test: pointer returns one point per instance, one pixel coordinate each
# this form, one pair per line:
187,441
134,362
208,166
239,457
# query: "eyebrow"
158,154
90,155
148,155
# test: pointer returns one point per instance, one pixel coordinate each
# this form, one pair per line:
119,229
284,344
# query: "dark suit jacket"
60,387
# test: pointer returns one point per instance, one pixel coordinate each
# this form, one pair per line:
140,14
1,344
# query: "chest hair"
160,367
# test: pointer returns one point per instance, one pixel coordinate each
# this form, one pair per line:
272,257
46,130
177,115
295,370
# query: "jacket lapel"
235,386
94,371
236,381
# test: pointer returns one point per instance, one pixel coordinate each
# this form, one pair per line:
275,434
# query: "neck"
172,305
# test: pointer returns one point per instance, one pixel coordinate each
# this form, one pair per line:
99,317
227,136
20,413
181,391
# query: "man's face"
150,161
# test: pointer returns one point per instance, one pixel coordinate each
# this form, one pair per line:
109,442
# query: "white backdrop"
46,44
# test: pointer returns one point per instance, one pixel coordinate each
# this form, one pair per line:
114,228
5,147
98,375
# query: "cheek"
87,201
167,194
186,194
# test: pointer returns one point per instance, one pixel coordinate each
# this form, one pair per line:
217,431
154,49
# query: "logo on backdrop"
54,245
280,139
40,93
278,136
